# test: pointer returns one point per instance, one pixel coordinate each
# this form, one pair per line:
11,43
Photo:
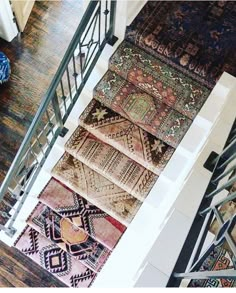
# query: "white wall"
8,29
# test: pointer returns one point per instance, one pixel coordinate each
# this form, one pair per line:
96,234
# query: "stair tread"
53,259
97,189
142,109
68,237
111,163
196,38
158,79
82,213
126,137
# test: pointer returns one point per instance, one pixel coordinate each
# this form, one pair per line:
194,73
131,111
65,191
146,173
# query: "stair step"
68,237
126,137
112,164
196,38
97,189
82,213
142,109
54,259
159,79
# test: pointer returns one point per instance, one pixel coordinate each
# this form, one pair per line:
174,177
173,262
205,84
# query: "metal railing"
217,214
95,30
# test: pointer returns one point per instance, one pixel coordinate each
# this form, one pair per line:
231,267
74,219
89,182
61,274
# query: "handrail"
93,11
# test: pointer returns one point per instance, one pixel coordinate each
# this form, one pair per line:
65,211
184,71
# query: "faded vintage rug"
68,237
219,259
54,259
127,137
111,163
159,79
142,109
97,189
196,37
82,213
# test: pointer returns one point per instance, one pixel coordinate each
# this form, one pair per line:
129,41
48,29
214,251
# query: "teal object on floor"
4,68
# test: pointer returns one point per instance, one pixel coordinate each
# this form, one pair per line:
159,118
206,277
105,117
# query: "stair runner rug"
112,164
219,259
159,79
196,37
68,237
82,213
53,259
142,109
125,136
96,189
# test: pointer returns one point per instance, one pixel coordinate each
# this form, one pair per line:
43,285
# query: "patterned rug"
126,137
96,189
196,37
53,259
219,259
82,213
158,79
111,163
68,237
142,109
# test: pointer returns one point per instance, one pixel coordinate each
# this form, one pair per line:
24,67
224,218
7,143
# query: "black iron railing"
95,30
212,216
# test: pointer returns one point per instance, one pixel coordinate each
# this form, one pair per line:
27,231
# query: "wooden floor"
34,57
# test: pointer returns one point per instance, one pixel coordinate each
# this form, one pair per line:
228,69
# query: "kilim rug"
142,109
54,259
96,189
219,259
125,136
112,164
196,37
68,237
159,79
82,213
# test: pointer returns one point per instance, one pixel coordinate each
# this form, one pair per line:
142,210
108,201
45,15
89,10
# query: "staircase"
126,135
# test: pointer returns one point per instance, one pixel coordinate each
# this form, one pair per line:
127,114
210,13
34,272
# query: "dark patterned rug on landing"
159,79
68,237
112,164
82,213
127,137
53,259
142,109
96,189
219,259
196,37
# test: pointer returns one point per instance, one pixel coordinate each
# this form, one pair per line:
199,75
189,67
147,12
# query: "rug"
219,259
158,79
142,109
53,259
127,137
196,37
112,164
68,237
82,213
97,189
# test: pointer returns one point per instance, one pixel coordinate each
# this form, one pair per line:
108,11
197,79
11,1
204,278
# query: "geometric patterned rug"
112,164
82,213
218,259
142,109
68,237
54,259
127,137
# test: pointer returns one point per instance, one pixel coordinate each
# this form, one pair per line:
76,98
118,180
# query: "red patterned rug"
54,259
82,213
